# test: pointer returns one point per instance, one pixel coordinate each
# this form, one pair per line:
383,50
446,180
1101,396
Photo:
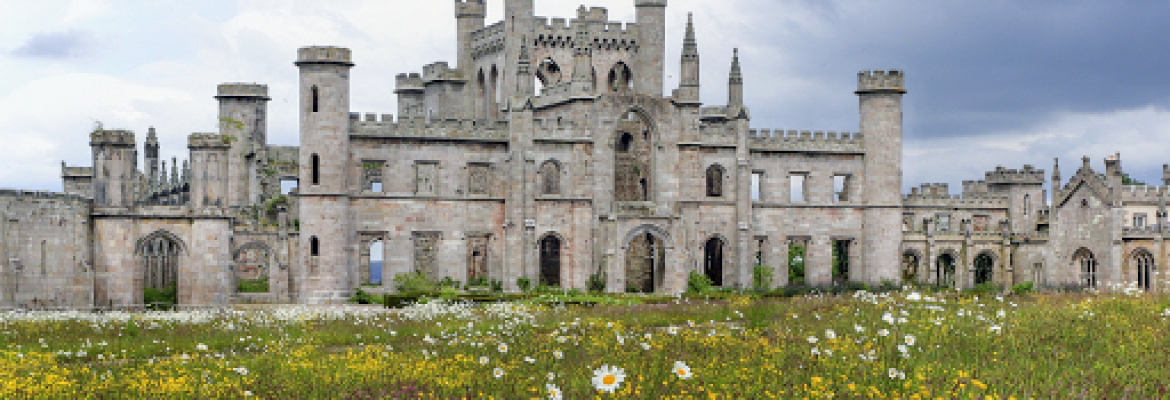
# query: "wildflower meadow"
902,344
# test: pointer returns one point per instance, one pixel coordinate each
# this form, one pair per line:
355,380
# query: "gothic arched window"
715,181
550,178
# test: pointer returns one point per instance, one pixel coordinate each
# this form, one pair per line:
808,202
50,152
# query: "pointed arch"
1142,261
715,180
550,177
620,78
985,267
1084,260
714,249
645,258
493,96
159,254
551,254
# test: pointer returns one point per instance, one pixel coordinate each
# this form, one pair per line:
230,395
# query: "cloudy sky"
991,82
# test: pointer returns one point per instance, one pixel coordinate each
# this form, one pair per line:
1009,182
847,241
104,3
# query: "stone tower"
324,156
150,150
519,23
469,15
880,95
651,59
209,158
242,118
115,161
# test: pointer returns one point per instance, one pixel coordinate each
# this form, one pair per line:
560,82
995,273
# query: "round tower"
324,156
880,95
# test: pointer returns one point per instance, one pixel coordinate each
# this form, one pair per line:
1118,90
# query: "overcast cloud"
992,82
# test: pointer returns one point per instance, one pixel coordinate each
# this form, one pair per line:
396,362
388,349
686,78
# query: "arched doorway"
1087,263
984,267
253,266
550,260
910,261
159,254
945,270
645,263
1144,262
713,261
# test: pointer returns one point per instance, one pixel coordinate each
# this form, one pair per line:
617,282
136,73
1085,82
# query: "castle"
549,152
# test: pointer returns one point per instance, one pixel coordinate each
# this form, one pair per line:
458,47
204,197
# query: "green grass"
961,346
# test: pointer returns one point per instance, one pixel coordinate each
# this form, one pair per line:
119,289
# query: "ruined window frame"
715,174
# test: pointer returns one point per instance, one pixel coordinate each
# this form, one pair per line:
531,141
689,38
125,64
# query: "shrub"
497,285
477,282
447,282
698,283
253,285
597,281
413,282
361,297
761,278
523,283
1021,288
169,295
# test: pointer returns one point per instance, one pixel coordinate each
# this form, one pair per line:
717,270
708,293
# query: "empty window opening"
796,186
1144,262
715,181
624,142
945,270
713,261
44,256
840,188
550,175
984,267
373,272
620,78
840,261
1027,204
1037,273
376,187
314,90
315,169
288,186
645,190
796,259
1139,220
1088,266
910,261
314,246
757,181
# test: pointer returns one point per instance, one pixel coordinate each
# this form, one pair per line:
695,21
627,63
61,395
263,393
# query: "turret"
735,87
1055,177
469,16
582,61
114,166
1166,174
324,178
150,150
1113,176
209,153
880,94
688,85
411,95
525,83
242,118
651,56
519,20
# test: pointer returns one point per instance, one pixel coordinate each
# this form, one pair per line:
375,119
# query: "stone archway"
645,259
984,268
945,270
253,268
550,260
159,256
1086,263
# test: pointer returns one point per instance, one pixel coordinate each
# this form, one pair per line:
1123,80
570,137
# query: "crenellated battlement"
115,137
815,141
649,3
411,82
938,195
465,129
324,55
470,8
241,90
1027,175
208,141
439,71
488,40
877,81
1144,193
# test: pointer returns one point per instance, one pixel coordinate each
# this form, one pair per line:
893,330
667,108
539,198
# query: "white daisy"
201,347
483,360
498,373
812,340
551,376
502,347
682,371
910,340
883,332
530,360
645,346
674,330
554,393
607,378
558,354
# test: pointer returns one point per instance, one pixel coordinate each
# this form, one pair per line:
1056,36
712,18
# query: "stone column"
779,254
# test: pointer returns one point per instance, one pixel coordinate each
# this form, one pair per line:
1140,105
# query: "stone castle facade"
550,152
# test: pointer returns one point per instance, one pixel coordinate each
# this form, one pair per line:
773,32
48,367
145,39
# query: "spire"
186,172
162,176
735,87
1055,175
525,83
690,47
175,171
688,84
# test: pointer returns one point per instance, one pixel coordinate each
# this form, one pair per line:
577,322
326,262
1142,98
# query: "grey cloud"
66,44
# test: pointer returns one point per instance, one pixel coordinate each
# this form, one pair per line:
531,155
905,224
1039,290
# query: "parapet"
76,172
938,195
324,55
593,14
208,141
112,138
649,3
440,71
1143,193
805,141
878,81
412,82
1028,175
246,90
470,8
442,129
